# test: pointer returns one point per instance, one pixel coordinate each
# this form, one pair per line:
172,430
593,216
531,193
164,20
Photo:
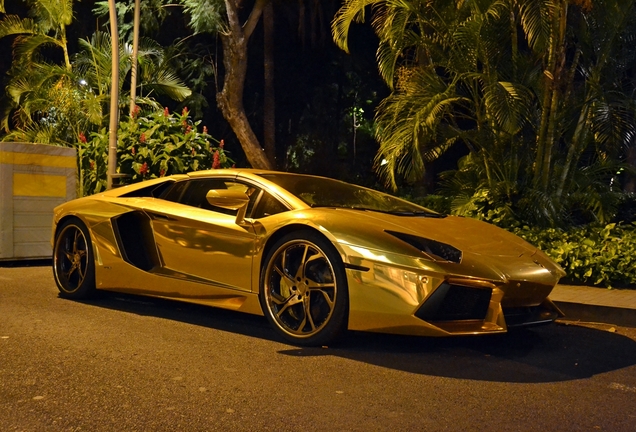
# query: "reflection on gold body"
206,245
207,257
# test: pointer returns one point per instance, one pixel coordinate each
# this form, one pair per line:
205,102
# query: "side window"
197,189
193,193
267,206
174,192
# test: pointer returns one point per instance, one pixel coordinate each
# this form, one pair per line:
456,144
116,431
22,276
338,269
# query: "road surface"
125,363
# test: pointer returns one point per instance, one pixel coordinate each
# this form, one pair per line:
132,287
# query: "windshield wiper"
422,213
346,207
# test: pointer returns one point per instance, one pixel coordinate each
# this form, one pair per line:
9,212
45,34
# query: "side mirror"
229,199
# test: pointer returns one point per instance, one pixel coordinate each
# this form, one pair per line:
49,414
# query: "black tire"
303,289
73,262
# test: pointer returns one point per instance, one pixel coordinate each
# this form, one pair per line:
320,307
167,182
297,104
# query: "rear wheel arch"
63,221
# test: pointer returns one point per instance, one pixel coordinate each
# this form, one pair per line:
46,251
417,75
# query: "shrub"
149,146
591,254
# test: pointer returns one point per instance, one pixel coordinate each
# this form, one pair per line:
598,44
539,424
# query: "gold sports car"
315,255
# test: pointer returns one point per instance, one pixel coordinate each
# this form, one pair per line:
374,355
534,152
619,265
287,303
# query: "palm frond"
93,107
536,20
27,46
166,82
34,133
352,11
14,25
408,126
612,123
509,104
51,14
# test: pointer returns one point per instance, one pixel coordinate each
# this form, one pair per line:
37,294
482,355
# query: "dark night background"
316,85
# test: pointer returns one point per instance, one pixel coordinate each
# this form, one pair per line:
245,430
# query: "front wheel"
73,264
303,289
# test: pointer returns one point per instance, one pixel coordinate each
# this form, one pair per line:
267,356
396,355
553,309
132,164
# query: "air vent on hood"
434,248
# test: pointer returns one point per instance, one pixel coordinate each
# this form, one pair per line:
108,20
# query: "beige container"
34,178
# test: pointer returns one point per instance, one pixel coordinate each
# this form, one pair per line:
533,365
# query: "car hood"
469,235
487,251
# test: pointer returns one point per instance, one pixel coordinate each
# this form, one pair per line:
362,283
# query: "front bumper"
424,299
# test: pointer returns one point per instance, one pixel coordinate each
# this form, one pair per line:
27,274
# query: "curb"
625,317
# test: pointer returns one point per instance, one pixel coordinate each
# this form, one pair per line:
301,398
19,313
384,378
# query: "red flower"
135,111
82,138
188,129
144,169
185,111
162,172
205,129
142,137
216,162
166,112
92,165
222,144
193,151
133,151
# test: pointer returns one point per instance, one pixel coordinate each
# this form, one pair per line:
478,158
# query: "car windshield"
326,192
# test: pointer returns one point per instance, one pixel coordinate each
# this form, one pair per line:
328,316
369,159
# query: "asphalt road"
124,363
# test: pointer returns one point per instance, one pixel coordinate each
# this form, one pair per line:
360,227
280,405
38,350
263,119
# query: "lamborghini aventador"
316,256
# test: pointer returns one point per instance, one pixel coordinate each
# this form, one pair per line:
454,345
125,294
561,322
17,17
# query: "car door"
201,243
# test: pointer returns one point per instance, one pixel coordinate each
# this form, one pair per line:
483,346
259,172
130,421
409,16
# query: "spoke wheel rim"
300,288
71,258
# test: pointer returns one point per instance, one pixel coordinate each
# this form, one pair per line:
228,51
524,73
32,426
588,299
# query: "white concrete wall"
34,178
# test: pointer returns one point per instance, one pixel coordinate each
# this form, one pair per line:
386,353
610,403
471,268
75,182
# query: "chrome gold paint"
211,258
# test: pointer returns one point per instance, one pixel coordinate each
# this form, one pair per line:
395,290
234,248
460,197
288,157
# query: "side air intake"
135,240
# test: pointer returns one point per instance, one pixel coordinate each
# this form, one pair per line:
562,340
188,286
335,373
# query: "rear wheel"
73,264
304,289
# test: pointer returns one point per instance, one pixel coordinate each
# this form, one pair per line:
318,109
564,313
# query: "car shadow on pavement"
190,313
549,353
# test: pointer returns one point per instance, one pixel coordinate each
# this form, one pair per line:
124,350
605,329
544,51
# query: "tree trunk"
230,98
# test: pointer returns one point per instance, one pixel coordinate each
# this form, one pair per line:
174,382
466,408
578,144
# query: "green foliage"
539,94
196,64
151,16
592,254
51,103
30,78
206,16
153,145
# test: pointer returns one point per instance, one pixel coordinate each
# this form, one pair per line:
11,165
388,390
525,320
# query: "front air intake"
455,303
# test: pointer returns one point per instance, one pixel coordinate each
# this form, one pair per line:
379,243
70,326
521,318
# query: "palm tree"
47,27
510,79
157,77
55,103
